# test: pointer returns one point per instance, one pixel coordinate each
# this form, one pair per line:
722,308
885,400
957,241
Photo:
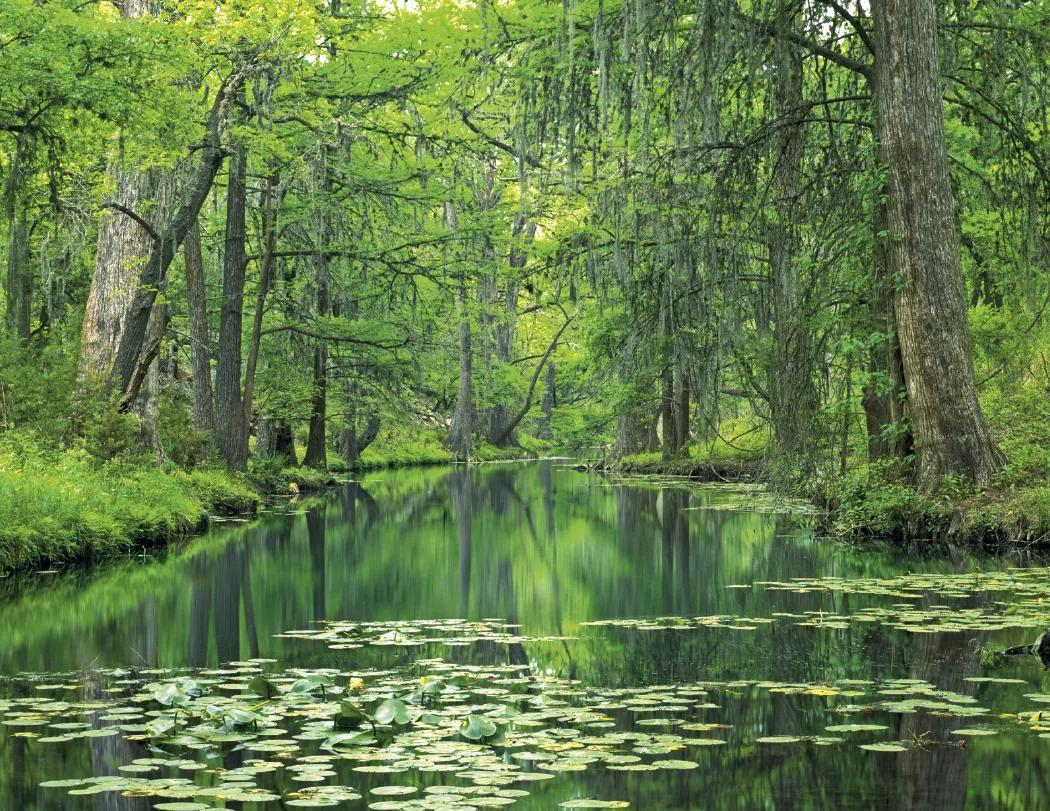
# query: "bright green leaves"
476,728
262,686
393,711
350,715
178,693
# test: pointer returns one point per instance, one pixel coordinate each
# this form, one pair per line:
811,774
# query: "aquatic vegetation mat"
1024,603
438,734
343,635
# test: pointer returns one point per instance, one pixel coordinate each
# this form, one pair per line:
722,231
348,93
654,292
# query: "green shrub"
107,433
63,505
396,447
220,491
875,499
267,474
184,443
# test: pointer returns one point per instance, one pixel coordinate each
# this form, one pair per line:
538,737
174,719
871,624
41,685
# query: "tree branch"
509,429
496,142
855,23
114,206
770,30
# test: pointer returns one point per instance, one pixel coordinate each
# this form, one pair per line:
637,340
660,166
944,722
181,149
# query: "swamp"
541,404
471,639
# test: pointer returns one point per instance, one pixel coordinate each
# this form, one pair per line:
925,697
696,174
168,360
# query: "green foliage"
108,433
405,445
186,445
219,491
267,473
737,439
875,499
36,388
68,505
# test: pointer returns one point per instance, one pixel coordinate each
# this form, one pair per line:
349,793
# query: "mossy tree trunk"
949,429
200,337
231,433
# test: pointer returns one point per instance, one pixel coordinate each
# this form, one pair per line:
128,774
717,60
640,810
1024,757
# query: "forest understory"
799,243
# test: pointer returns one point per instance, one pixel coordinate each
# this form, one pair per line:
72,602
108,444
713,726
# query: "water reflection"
548,548
534,544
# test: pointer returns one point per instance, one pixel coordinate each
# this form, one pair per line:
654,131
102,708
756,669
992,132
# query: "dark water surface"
547,548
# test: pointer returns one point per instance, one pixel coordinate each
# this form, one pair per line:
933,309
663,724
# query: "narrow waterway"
544,549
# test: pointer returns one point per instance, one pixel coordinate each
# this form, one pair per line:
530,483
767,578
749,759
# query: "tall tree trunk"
669,430
462,430
793,400
231,432
147,403
355,442
316,455
19,281
681,409
200,338
949,430
122,246
167,235
500,414
653,442
316,441
883,396
629,435
266,264
460,435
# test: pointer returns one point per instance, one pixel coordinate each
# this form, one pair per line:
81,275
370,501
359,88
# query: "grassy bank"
64,504
425,446
875,500
67,505
60,505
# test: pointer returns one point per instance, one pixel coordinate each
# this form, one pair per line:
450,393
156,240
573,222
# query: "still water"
546,548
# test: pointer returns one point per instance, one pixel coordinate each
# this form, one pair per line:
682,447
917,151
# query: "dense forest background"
801,240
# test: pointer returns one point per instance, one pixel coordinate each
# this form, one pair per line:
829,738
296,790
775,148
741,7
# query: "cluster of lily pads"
1028,605
487,732
345,635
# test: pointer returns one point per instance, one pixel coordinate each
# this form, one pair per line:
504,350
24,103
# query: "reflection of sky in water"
549,548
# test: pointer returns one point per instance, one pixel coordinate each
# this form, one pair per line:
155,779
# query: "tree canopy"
805,237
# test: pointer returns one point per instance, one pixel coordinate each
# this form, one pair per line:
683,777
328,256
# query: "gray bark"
166,238
200,338
793,399
462,430
231,432
949,429
122,247
459,437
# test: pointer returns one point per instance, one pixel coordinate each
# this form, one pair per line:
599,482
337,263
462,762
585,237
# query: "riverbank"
426,447
702,470
63,506
874,502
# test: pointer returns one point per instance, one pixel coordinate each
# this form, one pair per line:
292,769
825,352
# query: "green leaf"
393,711
476,728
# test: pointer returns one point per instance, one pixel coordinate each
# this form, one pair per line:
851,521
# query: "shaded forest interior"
798,241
